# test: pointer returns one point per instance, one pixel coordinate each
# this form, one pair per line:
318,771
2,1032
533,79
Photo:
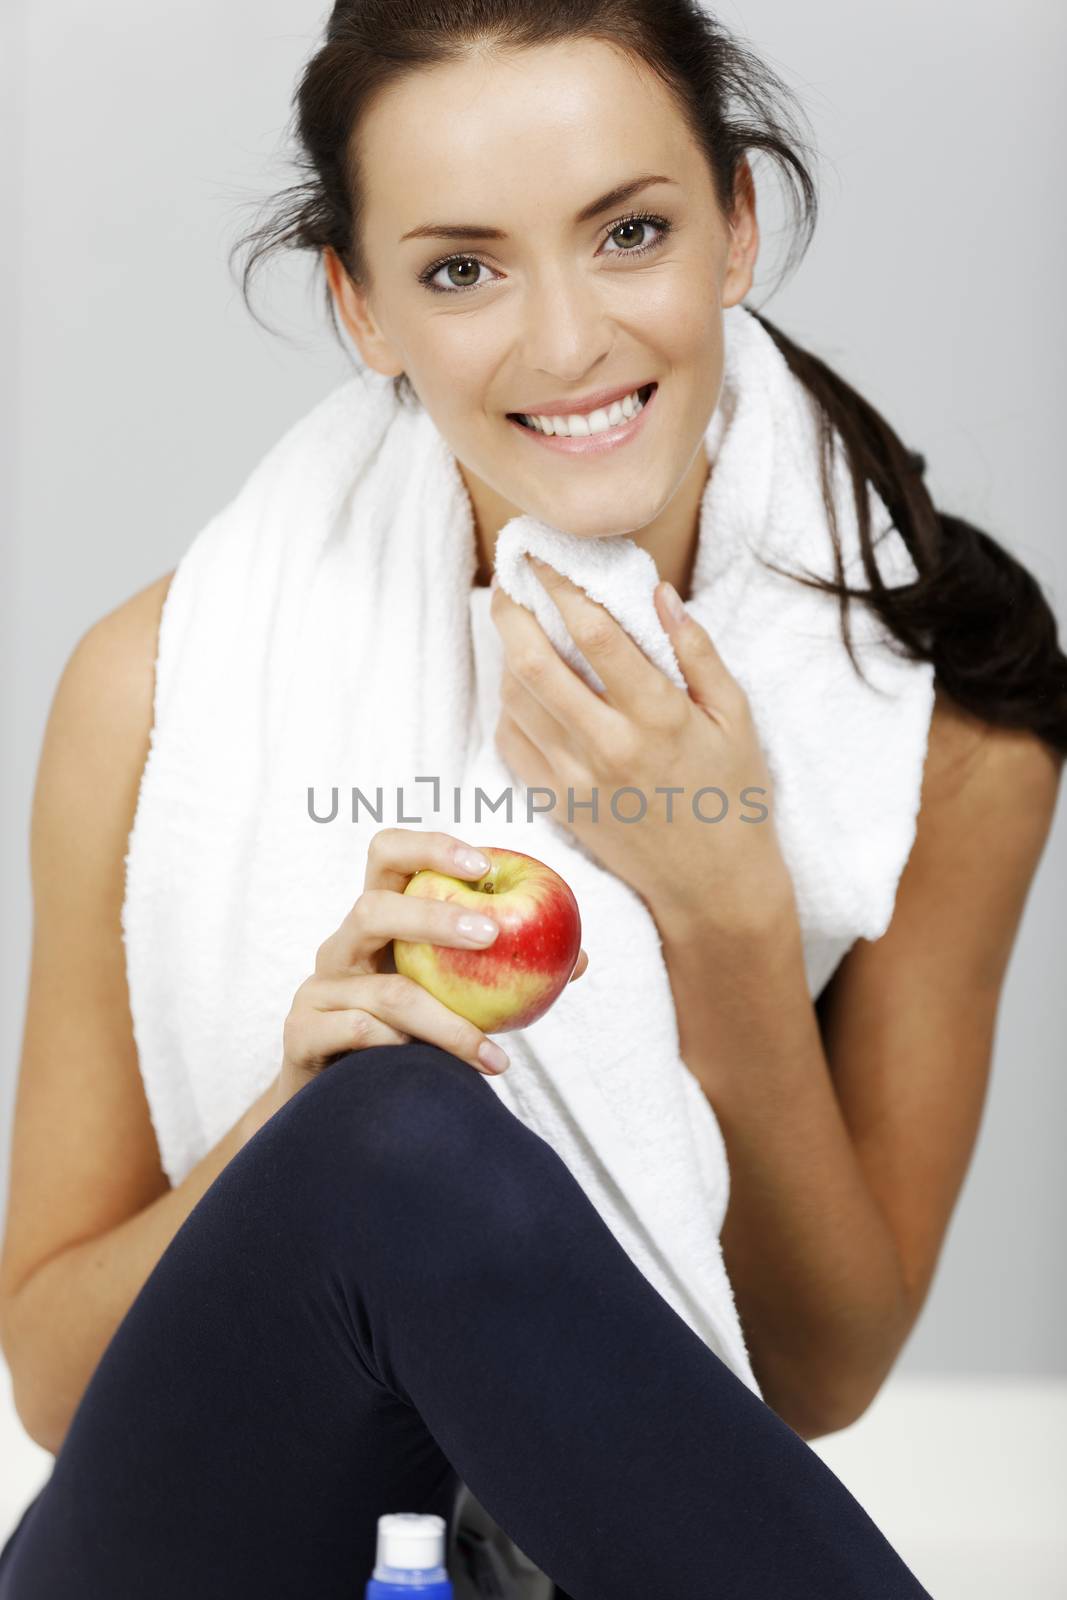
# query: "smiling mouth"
644,394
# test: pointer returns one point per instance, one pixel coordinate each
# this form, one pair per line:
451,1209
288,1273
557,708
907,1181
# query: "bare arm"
90,1210
849,1133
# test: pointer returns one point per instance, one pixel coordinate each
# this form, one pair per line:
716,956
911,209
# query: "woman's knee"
413,1109
399,1097
411,1130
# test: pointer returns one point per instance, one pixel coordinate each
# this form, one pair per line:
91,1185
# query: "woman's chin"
594,526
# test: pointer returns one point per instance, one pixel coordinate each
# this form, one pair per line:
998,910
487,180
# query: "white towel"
322,630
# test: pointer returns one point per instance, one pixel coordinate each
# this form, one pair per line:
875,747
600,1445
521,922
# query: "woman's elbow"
813,1410
44,1429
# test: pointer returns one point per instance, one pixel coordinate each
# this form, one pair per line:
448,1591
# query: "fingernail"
491,1056
470,860
481,928
673,604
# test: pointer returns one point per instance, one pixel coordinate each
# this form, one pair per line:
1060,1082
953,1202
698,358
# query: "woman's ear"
744,238
353,308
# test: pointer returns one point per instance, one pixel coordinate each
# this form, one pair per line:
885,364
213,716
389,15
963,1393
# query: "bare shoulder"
966,753
96,738
117,653
988,801
97,735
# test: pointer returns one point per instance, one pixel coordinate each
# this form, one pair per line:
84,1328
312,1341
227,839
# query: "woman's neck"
671,540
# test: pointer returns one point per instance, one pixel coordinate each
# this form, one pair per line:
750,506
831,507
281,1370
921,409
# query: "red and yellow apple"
514,980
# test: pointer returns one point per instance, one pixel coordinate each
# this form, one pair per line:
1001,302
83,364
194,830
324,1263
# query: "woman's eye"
465,269
469,266
633,247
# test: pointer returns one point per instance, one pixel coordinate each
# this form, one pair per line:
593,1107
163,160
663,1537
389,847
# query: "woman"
272,1379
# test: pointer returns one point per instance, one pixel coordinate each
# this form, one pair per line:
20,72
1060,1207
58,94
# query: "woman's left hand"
699,860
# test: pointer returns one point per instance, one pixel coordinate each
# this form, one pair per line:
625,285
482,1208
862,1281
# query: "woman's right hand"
355,998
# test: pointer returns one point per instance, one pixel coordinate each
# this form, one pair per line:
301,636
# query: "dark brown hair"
973,610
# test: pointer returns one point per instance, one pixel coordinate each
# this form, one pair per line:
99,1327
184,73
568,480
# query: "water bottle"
410,1558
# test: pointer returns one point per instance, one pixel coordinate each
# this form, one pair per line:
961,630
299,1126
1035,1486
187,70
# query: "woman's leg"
394,1278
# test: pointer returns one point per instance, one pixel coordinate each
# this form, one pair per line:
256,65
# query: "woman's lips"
593,443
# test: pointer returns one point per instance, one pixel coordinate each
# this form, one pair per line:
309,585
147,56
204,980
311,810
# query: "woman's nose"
564,327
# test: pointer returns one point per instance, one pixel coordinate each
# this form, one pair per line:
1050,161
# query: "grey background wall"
136,393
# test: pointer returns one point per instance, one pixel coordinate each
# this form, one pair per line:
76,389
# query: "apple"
514,980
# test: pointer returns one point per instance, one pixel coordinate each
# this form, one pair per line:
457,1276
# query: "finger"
312,1036
537,664
522,757
532,716
627,674
711,683
396,853
410,1008
579,966
381,915
394,856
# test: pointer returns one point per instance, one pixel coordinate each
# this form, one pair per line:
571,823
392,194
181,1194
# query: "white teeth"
578,426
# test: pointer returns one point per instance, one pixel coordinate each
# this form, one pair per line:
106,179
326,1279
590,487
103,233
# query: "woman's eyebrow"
473,230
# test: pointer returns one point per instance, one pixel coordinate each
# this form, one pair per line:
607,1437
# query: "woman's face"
559,303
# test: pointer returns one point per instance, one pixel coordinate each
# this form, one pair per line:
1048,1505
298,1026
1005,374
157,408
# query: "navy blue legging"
394,1285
